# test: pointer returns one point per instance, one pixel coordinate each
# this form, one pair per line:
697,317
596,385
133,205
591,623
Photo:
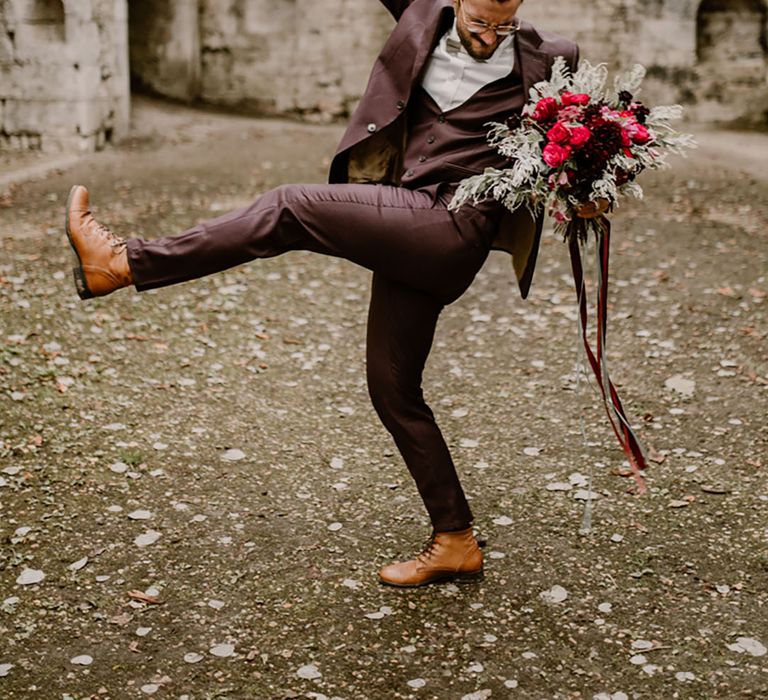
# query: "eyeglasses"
476,26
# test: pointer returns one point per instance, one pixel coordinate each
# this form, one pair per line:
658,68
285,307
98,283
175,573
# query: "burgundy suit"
385,209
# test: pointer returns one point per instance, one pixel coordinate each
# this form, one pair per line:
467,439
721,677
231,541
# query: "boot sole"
77,272
458,577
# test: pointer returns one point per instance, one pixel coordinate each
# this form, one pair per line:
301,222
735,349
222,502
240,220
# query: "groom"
447,69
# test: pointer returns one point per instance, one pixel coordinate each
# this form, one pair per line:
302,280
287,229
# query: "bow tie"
452,45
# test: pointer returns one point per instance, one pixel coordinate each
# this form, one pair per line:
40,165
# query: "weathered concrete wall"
165,47
64,65
63,74
301,56
309,57
710,56
312,56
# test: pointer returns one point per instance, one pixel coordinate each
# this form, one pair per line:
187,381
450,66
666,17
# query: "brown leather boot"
102,260
447,556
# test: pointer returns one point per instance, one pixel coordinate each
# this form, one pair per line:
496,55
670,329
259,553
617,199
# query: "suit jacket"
372,147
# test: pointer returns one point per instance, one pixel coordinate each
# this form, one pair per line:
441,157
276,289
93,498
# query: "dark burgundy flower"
641,112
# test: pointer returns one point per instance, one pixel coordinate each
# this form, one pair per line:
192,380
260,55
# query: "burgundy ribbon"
611,400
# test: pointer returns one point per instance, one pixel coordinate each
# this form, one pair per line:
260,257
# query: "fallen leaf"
30,576
308,672
144,598
140,515
556,594
79,564
681,385
82,660
749,645
715,488
222,650
558,486
146,539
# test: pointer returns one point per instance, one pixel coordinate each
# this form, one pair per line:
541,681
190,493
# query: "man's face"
475,13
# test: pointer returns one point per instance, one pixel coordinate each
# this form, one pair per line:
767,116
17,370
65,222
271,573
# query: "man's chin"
479,53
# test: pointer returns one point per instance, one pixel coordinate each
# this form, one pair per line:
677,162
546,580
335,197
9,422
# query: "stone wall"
64,65
311,57
708,55
300,56
63,74
306,57
165,47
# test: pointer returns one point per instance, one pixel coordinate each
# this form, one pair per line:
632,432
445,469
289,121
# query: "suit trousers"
422,256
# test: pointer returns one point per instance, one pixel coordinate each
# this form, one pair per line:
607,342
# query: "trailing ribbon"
577,230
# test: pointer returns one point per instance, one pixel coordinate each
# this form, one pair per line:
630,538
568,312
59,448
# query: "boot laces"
117,242
426,552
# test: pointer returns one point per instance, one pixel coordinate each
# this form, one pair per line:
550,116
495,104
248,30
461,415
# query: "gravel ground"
195,494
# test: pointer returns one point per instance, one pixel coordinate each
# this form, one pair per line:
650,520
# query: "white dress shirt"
452,76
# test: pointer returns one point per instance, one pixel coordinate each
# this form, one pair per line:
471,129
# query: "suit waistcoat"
443,148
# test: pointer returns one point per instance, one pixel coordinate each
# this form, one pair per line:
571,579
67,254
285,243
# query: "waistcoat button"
371,128
400,104
409,173
422,159
441,119
431,138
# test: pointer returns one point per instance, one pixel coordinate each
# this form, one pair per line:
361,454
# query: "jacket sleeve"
575,58
396,7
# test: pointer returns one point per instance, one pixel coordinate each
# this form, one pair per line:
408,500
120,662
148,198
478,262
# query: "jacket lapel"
433,29
534,64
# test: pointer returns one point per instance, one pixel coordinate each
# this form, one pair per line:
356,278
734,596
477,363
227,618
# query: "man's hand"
589,210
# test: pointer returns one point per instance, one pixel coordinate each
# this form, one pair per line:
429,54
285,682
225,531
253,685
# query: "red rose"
626,141
640,134
570,98
555,155
546,108
579,136
558,133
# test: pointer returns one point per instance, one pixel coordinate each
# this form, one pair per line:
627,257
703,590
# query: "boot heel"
469,576
82,289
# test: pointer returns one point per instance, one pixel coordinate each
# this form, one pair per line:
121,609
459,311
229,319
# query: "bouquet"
578,141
